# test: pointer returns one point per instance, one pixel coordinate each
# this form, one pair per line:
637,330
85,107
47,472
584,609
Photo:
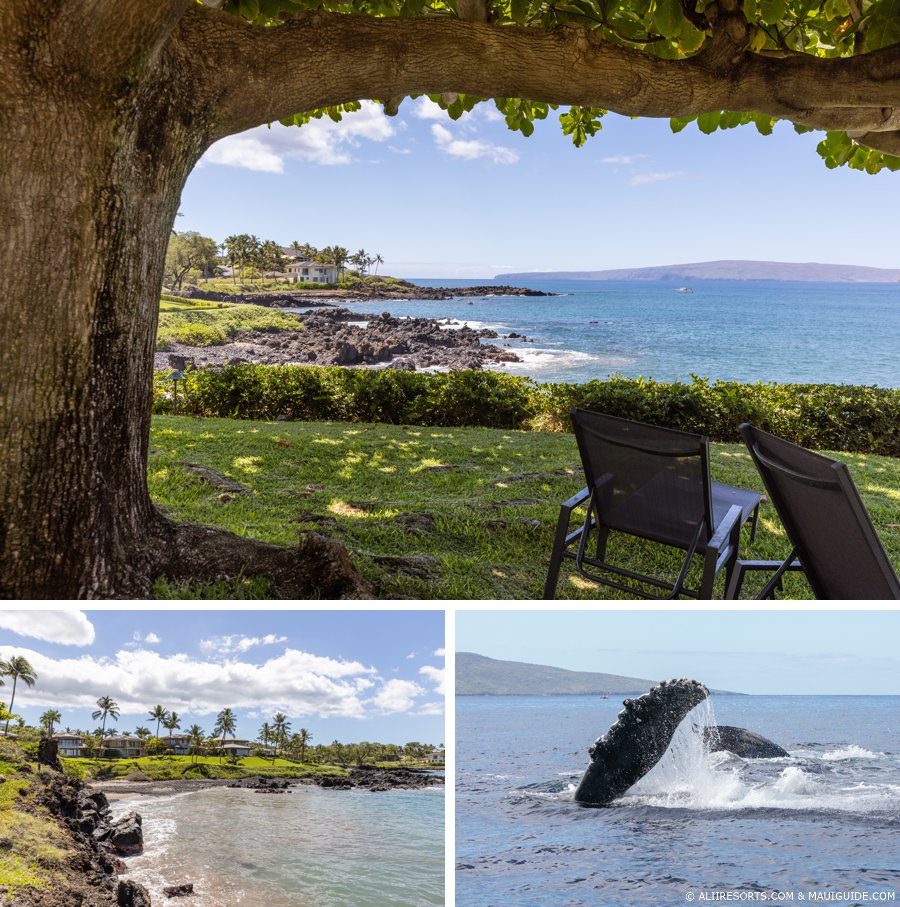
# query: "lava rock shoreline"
329,337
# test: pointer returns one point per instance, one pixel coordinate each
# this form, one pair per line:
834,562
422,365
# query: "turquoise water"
309,848
733,330
825,819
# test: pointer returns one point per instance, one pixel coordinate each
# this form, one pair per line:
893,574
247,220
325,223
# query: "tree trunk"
92,175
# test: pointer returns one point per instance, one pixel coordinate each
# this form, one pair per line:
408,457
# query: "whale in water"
643,732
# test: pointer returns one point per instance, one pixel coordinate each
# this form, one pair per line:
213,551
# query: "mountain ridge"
479,675
727,269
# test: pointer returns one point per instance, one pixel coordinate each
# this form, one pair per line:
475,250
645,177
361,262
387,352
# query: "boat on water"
685,290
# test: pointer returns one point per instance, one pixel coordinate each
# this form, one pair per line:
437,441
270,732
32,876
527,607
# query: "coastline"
337,336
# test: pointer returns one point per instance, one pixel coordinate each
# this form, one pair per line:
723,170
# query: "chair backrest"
649,481
824,518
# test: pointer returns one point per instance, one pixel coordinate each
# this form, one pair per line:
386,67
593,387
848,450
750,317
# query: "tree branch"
251,75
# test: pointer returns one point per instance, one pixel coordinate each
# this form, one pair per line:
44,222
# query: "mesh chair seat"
652,483
835,543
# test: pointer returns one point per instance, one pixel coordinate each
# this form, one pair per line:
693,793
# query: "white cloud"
624,159
411,655
68,628
438,653
152,639
642,179
435,675
471,149
426,109
228,645
430,709
296,682
320,141
397,696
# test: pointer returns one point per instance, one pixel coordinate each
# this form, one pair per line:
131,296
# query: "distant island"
478,675
726,270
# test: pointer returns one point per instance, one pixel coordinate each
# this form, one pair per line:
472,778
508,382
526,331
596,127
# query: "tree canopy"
783,47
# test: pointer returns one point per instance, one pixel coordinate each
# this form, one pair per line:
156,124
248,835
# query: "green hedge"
823,416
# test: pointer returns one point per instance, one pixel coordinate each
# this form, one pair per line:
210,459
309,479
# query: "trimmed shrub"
821,416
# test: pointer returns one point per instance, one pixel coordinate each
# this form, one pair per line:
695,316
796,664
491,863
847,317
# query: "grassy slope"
325,469
32,846
206,325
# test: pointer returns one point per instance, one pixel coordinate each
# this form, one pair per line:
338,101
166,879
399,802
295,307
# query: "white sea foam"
849,752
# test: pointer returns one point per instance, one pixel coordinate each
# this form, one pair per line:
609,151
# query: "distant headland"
478,675
727,270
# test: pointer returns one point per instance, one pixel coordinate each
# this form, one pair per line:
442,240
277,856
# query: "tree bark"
90,184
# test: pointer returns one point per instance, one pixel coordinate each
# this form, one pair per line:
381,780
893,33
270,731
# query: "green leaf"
884,26
709,122
668,18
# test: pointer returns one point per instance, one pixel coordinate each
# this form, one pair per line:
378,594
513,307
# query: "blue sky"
796,652
471,199
344,675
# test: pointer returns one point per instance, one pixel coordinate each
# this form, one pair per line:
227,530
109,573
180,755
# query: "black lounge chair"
653,483
834,541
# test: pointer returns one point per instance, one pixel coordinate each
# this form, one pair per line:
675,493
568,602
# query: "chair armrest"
577,499
727,529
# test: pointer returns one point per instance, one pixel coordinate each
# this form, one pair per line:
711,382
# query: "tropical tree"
160,716
142,733
19,669
172,722
303,737
196,735
281,727
265,734
225,726
188,252
49,720
106,708
378,260
130,95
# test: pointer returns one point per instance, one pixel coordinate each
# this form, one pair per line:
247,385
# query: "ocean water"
730,330
824,820
310,848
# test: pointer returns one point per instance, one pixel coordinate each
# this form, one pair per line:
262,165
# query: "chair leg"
754,523
602,536
734,581
556,555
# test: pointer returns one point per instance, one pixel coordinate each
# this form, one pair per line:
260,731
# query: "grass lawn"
171,768
214,323
468,498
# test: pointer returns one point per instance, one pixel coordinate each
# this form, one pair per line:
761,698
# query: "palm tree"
49,720
378,261
106,707
19,669
303,738
158,714
172,722
281,727
225,725
142,733
195,732
265,734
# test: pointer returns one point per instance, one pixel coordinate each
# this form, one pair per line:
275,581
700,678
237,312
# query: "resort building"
127,747
311,272
71,746
176,745
231,746
436,756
